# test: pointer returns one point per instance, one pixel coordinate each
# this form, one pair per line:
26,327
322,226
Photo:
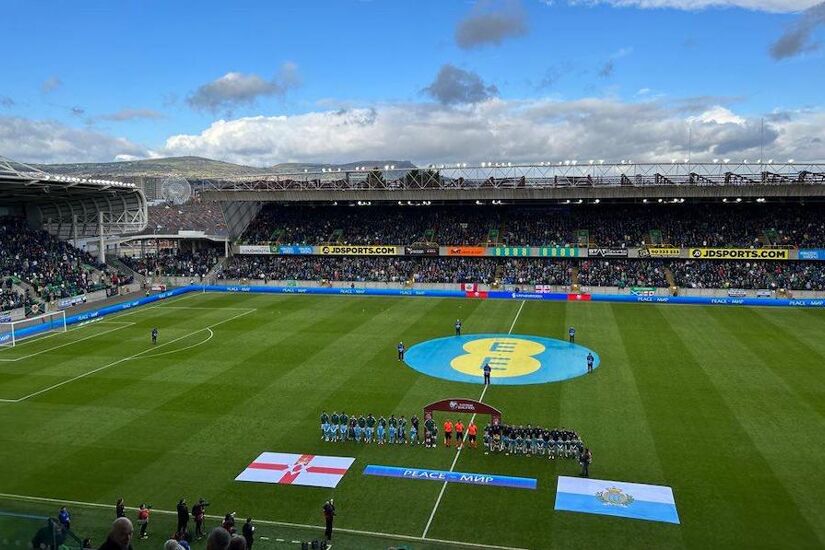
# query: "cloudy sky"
426,80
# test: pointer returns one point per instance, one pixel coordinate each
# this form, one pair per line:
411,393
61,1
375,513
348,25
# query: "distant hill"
199,168
188,167
298,167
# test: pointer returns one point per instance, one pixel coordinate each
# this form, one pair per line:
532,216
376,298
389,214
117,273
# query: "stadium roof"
67,206
567,179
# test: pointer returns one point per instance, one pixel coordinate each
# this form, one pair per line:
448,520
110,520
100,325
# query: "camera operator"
199,513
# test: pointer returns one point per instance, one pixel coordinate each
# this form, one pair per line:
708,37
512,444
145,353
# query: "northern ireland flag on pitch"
616,498
294,469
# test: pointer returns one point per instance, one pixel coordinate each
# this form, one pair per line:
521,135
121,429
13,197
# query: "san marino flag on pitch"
616,498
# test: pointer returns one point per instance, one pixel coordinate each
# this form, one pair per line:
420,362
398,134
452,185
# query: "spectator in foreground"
249,533
237,543
172,544
218,539
120,536
183,515
64,518
143,520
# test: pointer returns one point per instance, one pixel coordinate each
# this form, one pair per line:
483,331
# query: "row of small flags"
592,496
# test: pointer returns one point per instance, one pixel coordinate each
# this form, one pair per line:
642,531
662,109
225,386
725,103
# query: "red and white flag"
294,469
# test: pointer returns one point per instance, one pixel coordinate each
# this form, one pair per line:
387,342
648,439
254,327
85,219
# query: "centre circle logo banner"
514,359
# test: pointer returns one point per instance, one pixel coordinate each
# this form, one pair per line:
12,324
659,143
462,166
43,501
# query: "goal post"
11,332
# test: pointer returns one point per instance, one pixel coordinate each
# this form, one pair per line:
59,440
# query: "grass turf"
725,405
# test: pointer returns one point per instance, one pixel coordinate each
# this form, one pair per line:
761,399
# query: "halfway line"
461,448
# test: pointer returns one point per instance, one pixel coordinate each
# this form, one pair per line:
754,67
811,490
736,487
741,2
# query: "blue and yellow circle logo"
513,358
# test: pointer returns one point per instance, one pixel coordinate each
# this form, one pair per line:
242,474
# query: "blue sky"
267,82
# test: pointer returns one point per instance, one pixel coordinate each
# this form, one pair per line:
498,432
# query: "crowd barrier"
505,295
482,295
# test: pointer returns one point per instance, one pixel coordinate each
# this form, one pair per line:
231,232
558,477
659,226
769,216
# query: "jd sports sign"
338,250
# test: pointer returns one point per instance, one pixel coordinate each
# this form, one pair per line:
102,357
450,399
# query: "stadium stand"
622,273
176,263
53,268
12,299
745,225
195,215
532,271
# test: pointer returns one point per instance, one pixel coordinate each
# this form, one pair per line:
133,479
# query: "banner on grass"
295,469
616,498
451,477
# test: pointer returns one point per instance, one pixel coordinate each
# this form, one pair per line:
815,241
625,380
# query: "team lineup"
496,437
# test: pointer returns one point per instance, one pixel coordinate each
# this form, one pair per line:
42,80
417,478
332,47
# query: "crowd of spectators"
622,273
53,268
175,262
399,269
737,225
749,275
10,298
195,215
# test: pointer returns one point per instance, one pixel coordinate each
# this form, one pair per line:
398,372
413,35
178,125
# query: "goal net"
11,332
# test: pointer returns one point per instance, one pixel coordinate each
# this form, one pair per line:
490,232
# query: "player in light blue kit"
381,430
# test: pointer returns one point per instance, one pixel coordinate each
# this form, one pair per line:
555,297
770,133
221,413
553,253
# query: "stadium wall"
480,294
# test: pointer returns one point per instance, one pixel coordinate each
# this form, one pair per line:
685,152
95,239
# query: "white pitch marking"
461,448
264,522
119,361
126,324
211,334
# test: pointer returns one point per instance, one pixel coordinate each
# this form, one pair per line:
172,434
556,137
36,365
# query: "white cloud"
491,24
492,130
131,114
29,140
779,6
51,84
718,115
233,89
535,130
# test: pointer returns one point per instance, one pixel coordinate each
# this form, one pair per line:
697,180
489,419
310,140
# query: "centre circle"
514,359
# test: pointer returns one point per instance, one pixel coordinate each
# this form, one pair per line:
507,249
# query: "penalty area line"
124,359
275,523
120,326
461,448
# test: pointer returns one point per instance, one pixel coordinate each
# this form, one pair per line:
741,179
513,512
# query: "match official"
590,360
458,327
572,334
329,514
585,459
401,351
487,371
155,335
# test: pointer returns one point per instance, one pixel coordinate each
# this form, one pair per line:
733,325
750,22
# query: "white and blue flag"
616,498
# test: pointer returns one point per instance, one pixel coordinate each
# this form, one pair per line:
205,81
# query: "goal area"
12,332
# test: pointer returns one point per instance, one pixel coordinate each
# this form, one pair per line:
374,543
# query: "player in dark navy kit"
154,335
458,327
401,349
572,334
589,363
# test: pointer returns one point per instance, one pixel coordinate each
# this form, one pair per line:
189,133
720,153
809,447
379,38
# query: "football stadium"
291,348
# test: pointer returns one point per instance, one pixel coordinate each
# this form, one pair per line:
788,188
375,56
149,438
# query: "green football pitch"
725,405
